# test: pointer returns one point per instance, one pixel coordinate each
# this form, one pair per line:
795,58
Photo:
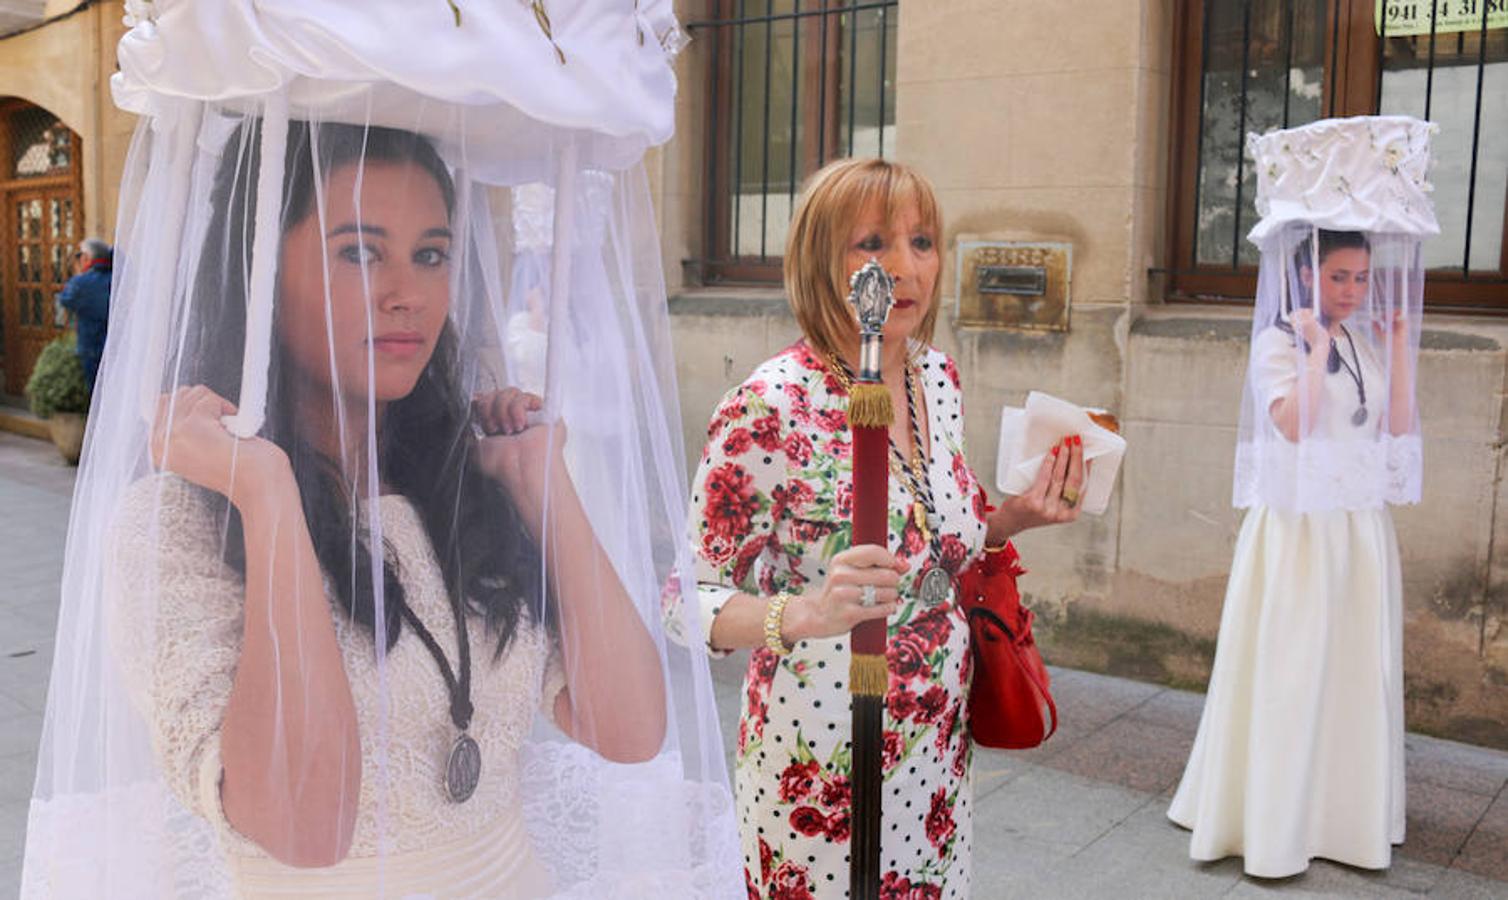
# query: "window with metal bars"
793,84
1255,65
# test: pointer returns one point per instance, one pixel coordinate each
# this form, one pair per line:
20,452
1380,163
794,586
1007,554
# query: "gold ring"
1070,496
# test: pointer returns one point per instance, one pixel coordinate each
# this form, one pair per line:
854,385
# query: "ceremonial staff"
869,415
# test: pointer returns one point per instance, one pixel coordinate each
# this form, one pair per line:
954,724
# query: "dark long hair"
426,445
1328,241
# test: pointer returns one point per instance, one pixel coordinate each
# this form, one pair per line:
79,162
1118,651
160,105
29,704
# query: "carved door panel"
42,234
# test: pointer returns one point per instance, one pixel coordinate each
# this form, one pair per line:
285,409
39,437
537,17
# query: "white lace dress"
1299,753
179,616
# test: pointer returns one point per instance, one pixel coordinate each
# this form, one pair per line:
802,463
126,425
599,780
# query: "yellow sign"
1401,18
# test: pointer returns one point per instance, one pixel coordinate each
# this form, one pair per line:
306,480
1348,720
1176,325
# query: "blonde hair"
816,248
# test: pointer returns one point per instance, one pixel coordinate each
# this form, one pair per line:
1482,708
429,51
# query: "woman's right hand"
189,440
837,606
1309,328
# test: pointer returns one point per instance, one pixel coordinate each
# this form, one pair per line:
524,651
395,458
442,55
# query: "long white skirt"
1300,749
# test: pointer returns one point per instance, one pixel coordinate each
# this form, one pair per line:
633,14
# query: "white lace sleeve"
1275,366
176,613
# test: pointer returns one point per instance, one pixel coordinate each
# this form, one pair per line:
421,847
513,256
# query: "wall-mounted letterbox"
1006,284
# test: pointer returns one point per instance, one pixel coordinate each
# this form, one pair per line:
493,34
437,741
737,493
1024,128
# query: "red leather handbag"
1010,706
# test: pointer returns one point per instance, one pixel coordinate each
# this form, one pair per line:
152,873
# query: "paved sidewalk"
1085,815
35,490
1082,817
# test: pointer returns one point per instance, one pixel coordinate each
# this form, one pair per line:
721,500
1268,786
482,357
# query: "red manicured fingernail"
1078,440
1055,449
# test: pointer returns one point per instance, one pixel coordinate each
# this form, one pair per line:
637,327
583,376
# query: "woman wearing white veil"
336,619
1299,753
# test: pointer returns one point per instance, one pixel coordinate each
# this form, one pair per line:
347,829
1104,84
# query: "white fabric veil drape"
1344,207
328,242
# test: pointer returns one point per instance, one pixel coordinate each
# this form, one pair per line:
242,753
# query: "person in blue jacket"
87,296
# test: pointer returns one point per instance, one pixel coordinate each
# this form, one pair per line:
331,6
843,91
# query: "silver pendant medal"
1358,418
463,769
936,586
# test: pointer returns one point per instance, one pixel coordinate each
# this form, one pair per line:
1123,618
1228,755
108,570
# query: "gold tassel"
869,406
868,676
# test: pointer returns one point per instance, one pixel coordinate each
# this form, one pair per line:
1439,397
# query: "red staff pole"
869,416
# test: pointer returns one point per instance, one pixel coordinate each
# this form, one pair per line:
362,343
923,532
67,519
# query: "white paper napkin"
1028,434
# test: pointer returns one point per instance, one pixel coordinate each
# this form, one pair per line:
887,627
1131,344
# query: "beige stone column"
1044,123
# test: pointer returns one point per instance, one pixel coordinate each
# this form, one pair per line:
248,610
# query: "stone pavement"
35,490
1085,815
1082,817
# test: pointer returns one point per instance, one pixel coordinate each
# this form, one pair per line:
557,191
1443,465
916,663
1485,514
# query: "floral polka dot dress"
770,507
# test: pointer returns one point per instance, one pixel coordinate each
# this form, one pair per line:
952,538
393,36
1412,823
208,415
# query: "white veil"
320,251
1329,419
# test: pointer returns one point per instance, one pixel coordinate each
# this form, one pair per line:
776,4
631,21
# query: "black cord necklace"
463,768
1337,362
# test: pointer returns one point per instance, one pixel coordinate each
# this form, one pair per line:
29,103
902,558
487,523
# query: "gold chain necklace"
909,471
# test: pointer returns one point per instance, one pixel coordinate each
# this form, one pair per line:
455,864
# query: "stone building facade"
1085,125
62,150
1060,124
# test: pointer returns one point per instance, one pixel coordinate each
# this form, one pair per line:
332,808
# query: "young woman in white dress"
342,616
1299,753
260,697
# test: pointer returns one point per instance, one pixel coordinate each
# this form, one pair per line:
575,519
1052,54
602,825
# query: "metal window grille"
1254,65
1455,73
793,85
1263,67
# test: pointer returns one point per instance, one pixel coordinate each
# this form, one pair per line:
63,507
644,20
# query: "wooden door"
42,227
41,223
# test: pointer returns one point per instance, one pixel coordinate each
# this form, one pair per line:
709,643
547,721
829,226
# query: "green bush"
57,382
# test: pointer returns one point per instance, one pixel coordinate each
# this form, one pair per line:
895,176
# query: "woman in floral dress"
770,516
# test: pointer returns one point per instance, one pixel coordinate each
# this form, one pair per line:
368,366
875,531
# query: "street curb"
23,424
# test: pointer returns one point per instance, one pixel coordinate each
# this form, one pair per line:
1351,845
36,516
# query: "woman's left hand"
1052,499
521,457
1398,332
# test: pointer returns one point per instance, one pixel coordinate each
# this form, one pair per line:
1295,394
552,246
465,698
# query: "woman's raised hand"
518,455
189,440
1396,329
1309,328
1052,499
838,605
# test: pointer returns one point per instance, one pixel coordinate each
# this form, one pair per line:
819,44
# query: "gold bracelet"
772,619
